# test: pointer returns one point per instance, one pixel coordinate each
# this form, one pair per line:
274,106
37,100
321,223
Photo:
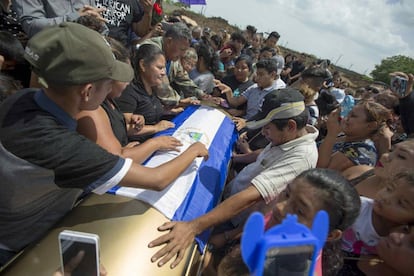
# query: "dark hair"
315,72
341,200
270,65
268,49
251,29
301,120
178,31
326,102
10,47
120,52
146,52
217,40
274,34
288,55
237,36
316,75
92,22
342,203
8,86
210,58
247,59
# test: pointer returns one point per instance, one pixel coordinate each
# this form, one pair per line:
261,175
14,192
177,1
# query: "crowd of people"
85,85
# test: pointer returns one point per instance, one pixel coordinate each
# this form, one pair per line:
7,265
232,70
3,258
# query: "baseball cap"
278,104
274,34
71,54
316,72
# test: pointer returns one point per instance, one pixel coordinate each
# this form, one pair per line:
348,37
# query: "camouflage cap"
71,54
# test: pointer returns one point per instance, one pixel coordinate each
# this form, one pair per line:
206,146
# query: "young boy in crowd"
267,80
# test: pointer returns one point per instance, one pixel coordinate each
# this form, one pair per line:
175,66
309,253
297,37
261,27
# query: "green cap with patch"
71,54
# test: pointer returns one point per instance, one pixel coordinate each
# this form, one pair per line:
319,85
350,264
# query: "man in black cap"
46,164
272,39
291,150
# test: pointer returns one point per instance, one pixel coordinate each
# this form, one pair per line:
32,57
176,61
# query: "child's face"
400,158
397,249
395,202
241,71
271,42
265,55
299,198
256,41
263,78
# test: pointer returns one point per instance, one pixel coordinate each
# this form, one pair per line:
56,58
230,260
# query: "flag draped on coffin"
193,2
198,189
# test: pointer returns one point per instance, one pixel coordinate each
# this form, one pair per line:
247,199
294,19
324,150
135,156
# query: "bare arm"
182,234
134,123
141,152
95,125
160,177
143,27
152,129
233,101
147,129
325,149
337,160
154,31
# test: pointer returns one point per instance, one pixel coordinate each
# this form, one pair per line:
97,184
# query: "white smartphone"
79,253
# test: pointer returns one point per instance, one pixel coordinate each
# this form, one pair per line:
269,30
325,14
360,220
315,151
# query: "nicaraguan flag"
199,188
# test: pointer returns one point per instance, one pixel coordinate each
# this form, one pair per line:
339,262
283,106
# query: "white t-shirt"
255,97
361,238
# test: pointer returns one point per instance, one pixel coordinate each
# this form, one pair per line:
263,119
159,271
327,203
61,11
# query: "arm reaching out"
181,234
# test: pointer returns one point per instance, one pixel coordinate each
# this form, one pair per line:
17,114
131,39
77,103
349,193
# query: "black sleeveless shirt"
118,124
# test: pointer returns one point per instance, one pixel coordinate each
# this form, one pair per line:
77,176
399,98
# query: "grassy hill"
217,23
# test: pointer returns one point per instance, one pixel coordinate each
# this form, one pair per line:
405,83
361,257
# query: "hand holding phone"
79,253
399,85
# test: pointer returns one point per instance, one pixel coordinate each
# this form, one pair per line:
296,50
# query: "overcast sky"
356,33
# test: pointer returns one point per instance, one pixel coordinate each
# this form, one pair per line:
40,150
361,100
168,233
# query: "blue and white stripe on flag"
198,189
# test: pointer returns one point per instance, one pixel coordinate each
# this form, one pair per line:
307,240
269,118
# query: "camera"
398,85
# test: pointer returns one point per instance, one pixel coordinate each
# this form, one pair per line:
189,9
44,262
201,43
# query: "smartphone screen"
294,260
79,253
398,85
